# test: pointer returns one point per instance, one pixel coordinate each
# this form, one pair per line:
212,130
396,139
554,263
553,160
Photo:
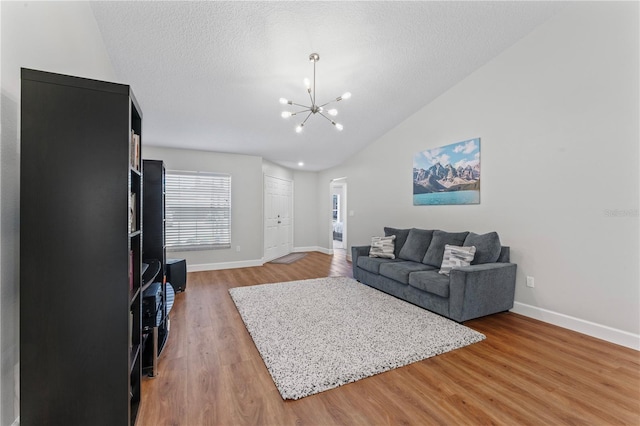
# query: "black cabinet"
158,297
80,251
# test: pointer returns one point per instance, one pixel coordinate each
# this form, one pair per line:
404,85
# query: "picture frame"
447,175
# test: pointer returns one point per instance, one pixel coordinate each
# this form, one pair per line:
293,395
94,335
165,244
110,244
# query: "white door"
278,217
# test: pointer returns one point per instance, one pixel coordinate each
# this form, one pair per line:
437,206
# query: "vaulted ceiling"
208,75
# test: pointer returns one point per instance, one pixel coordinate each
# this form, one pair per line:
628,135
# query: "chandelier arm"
305,120
326,103
328,119
313,102
302,106
302,110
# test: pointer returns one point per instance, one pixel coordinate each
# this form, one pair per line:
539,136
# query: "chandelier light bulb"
299,128
339,126
347,95
333,112
283,101
307,83
286,114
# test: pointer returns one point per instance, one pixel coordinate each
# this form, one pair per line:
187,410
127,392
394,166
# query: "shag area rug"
318,334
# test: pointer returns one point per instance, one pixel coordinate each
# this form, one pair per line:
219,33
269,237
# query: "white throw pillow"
382,247
456,256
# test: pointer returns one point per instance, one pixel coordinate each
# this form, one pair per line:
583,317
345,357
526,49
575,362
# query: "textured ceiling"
208,75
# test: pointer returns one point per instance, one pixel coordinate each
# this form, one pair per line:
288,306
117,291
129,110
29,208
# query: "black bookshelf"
80,251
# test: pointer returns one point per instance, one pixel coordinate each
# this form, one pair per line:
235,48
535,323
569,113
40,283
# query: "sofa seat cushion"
416,245
431,282
399,271
435,252
372,264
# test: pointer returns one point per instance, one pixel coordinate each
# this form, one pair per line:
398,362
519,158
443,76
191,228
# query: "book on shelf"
131,271
132,151
135,150
132,212
130,330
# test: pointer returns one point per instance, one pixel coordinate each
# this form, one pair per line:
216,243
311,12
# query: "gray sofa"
484,287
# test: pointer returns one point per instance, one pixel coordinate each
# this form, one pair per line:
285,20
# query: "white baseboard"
613,335
223,265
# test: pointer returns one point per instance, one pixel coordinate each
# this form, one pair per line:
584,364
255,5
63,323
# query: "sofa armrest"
357,251
479,290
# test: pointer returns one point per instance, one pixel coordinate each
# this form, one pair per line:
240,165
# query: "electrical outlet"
530,282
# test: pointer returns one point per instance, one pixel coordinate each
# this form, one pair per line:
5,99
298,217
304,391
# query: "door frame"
342,182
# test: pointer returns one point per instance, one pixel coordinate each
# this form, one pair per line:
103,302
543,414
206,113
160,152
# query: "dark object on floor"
177,274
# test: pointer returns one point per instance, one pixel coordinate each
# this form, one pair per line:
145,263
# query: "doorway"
278,217
338,190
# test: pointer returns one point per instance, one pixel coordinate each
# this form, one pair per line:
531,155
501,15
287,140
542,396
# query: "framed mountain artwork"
447,175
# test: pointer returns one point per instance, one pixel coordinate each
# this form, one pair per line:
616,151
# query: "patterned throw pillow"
382,247
456,256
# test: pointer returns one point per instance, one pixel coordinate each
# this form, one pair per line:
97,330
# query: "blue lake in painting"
442,198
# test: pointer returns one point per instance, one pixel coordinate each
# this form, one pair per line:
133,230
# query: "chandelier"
313,108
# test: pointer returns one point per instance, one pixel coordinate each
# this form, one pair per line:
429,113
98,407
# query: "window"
336,208
198,210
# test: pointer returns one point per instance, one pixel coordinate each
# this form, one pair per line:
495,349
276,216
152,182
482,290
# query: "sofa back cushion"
487,246
435,252
416,245
401,238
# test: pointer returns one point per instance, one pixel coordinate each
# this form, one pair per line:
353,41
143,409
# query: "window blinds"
198,210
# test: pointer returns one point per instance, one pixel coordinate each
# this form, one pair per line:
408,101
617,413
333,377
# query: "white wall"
246,204
558,117
305,212
274,170
58,37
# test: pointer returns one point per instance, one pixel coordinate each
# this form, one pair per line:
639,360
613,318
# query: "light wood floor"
525,372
